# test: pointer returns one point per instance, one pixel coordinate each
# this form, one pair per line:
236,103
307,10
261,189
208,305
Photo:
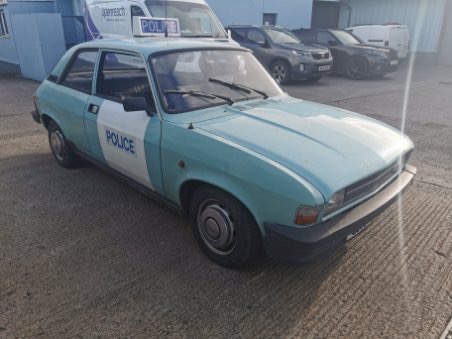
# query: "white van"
125,18
396,37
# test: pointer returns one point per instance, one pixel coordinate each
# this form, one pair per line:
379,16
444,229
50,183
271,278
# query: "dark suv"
283,54
351,56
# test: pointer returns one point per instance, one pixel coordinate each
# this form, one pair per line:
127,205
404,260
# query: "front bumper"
300,245
304,70
383,66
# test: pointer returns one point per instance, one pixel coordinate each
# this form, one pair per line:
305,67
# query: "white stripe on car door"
121,137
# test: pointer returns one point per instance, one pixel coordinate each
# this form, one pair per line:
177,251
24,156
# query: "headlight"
335,202
302,54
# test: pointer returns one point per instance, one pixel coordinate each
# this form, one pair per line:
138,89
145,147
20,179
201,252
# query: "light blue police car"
202,127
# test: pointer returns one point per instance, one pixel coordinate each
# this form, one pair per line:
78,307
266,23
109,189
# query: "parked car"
221,143
283,54
351,56
392,36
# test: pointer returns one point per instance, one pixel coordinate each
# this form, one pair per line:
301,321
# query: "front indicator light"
306,215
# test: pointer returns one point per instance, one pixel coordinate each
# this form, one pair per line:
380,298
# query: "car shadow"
96,251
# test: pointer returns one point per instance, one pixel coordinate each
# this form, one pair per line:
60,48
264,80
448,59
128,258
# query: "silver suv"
284,55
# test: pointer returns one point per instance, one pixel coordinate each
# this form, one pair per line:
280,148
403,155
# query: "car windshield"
196,20
282,36
346,38
199,79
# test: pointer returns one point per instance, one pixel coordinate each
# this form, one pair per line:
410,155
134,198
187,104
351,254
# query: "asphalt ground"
84,255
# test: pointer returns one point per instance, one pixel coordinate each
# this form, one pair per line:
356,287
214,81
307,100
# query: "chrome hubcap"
279,73
216,227
57,144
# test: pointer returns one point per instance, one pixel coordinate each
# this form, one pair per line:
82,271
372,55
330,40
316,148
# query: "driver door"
128,142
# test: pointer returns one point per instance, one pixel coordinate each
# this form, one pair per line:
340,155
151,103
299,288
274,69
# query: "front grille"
370,184
320,56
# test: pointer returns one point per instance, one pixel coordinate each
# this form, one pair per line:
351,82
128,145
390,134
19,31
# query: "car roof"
151,45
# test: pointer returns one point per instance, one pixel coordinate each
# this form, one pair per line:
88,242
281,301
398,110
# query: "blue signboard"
158,26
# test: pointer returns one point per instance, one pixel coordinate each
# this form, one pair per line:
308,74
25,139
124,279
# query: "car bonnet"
329,147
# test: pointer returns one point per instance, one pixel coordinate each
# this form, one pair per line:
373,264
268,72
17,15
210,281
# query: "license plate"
394,62
324,68
351,236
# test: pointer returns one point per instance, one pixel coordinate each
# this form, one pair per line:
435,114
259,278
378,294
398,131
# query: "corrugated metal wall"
402,11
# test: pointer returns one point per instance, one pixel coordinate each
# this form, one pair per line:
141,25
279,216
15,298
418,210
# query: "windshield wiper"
199,94
239,87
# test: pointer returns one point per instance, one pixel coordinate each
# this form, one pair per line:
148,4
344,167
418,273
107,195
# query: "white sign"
146,26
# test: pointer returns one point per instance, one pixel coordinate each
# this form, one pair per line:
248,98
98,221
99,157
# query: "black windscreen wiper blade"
239,87
199,94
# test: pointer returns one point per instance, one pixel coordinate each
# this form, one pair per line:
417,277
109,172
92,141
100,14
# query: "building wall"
7,47
8,51
291,13
422,16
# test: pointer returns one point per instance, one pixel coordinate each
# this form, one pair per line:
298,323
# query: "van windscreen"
196,20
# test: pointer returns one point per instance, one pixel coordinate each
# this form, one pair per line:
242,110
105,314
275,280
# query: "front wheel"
356,68
280,72
59,146
224,229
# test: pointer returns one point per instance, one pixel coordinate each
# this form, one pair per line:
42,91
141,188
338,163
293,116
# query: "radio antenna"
166,18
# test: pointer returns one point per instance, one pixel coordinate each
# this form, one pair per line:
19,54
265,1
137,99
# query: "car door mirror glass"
332,43
136,104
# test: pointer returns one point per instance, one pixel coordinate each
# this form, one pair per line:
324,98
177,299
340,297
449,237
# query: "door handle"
93,108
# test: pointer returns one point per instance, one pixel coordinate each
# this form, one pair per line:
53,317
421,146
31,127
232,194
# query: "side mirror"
332,43
263,43
135,104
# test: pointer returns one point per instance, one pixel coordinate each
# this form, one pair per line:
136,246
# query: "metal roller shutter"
325,14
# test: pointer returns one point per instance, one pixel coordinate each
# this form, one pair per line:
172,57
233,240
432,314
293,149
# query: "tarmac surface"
83,255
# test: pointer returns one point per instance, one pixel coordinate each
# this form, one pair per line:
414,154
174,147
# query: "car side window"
79,76
122,76
239,34
256,36
324,37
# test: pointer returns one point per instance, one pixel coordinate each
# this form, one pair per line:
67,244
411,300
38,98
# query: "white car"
396,37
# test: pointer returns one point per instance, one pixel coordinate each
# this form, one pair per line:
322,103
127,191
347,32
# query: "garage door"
325,14
445,42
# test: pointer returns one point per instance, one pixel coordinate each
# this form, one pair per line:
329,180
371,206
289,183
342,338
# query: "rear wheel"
357,68
280,72
224,229
59,146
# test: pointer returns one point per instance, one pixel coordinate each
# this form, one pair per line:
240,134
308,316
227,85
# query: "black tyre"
224,229
314,79
60,147
357,68
280,71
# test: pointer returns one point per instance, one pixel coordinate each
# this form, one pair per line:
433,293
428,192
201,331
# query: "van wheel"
224,229
357,68
59,146
280,71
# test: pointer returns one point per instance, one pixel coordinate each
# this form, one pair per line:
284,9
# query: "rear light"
306,215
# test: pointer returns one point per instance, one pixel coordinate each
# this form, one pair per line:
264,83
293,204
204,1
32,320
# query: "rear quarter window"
79,75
